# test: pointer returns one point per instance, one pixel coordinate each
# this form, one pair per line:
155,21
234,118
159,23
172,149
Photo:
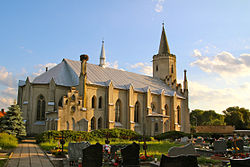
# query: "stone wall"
215,129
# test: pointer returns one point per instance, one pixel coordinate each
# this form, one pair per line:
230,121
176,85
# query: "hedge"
7,141
70,135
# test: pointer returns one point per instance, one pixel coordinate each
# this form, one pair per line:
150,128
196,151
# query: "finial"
163,24
102,40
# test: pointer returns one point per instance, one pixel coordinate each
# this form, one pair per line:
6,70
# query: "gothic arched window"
153,107
156,68
60,103
40,114
99,123
93,102
179,115
100,102
92,126
136,112
166,110
73,124
118,111
156,127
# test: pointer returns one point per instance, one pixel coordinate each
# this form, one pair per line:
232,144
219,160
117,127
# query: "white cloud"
6,78
6,102
144,68
112,65
9,92
42,67
204,97
223,64
159,6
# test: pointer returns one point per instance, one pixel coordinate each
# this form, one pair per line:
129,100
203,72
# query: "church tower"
164,63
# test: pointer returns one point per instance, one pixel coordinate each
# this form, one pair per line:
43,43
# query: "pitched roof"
68,71
164,48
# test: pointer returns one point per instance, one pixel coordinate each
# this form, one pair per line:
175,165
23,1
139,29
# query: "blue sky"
210,38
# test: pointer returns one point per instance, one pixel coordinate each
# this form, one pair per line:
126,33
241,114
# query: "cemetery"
120,147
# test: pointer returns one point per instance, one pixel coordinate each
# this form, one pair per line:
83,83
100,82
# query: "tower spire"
102,56
164,48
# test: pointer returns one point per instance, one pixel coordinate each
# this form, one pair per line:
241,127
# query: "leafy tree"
209,117
238,117
12,123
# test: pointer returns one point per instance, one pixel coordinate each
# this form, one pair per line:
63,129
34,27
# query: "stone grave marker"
184,139
179,161
130,155
75,150
240,162
188,149
220,146
92,155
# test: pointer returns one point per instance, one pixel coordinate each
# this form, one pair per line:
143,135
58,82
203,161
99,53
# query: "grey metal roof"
68,71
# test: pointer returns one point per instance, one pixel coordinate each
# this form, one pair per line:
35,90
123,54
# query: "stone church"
77,95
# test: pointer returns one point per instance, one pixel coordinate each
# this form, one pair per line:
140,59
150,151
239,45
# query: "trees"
210,117
12,122
238,117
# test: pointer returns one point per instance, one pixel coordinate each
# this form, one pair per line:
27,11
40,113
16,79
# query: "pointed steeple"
102,56
164,48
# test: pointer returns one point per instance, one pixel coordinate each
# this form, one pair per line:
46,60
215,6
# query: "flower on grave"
146,158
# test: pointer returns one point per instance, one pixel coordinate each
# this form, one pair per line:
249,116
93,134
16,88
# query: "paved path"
28,154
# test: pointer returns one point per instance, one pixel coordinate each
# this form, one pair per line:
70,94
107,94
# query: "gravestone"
75,150
188,149
179,161
240,145
184,139
240,162
220,146
130,155
92,156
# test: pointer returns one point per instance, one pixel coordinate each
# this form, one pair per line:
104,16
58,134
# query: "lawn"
154,148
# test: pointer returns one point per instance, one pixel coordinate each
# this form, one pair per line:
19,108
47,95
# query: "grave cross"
145,145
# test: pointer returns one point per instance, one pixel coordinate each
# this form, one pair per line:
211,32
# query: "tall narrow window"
179,115
118,111
73,124
136,112
100,123
67,124
93,102
156,127
73,98
60,103
100,102
166,110
156,68
92,126
172,68
153,107
40,115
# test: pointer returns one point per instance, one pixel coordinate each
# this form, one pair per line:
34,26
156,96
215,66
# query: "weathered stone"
184,150
179,161
75,150
130,155
92,156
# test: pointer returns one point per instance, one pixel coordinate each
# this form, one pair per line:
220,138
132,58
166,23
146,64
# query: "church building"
77,95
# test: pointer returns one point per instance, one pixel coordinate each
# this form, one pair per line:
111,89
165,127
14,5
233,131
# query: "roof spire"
102,56
164,48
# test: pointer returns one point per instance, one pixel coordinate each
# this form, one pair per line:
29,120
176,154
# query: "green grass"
155,148
203,160
2,162
8,141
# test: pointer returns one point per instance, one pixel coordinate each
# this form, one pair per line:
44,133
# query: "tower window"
156,68
172,69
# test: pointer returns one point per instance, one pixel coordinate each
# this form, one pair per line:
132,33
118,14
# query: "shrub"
7,141
172,135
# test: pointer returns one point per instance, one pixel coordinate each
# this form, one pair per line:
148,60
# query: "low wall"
223,129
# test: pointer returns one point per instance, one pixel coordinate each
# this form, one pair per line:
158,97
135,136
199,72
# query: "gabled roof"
68,71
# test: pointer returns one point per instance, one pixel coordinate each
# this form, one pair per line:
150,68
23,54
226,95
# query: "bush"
7,141
70,135
172,135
